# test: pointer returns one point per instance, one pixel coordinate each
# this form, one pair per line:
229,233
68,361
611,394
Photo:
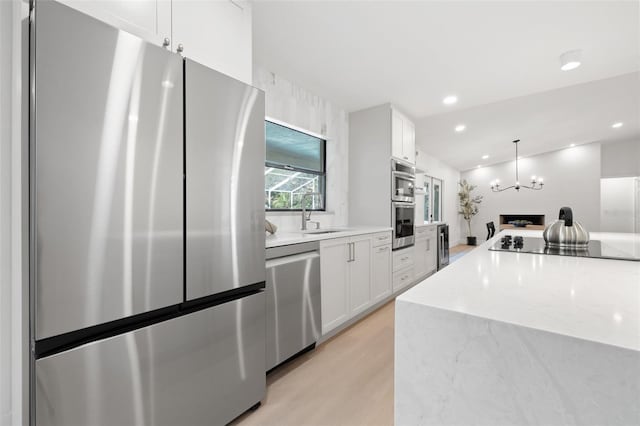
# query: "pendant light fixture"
536,183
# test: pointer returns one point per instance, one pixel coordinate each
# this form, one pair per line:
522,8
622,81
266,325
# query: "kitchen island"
502,338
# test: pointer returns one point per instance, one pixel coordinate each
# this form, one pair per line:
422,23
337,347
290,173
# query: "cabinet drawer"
402,259
381,239
424,232
402,278
382,249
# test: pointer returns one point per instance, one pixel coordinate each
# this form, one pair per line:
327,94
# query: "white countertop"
593,299
286,238
420,225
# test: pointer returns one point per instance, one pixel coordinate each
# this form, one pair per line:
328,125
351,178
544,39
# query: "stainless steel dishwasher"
293,301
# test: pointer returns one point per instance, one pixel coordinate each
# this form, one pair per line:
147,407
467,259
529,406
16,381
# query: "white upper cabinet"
214,33
408,141
147,19
397,148
403,137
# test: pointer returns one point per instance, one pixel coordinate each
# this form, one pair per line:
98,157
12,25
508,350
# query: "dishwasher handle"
291,259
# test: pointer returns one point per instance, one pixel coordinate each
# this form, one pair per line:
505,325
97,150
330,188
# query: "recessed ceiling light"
570,60
478,166
572,145
450,100
460,128
484,157
617,125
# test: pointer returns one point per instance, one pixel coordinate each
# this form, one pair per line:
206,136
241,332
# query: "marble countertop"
419,225
592,299
286,238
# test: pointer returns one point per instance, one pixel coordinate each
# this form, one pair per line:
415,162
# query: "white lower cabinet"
424,251
402,258
402,278
381,273
420,262
403,268
334,273
360,274
355,273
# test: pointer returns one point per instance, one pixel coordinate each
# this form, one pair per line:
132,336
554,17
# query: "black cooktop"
596,249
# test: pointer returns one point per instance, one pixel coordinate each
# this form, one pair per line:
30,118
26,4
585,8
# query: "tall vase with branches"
468,206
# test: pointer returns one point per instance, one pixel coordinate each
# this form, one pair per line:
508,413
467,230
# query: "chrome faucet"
307,218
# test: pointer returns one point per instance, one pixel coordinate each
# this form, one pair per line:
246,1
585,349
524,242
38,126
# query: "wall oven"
403,182
402,216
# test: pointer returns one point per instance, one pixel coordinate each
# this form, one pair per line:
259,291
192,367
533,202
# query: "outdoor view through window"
295,165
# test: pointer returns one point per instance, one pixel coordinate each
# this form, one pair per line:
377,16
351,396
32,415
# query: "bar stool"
491,230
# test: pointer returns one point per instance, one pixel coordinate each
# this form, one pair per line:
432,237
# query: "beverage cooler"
443,246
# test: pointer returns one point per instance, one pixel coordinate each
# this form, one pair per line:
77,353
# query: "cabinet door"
431,257
360,275
420,258
148,19
334,281
396,134
216,34
381,273
408,141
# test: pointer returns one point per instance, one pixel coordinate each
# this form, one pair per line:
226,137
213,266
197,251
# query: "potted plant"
468,206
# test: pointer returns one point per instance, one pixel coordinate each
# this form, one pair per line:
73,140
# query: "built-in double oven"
403,205
403,182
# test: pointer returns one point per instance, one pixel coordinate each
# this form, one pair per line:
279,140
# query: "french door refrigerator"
146,243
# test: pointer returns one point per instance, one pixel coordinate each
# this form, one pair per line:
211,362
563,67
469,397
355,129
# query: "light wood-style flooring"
460,249
347,380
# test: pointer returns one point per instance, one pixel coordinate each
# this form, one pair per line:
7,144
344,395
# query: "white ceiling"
413,53
543,122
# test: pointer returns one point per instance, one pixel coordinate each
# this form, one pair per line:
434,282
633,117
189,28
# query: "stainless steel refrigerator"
146,231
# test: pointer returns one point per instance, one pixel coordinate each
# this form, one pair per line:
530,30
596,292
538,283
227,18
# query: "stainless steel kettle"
565,232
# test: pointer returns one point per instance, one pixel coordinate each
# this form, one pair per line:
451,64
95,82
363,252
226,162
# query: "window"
295,166
432,199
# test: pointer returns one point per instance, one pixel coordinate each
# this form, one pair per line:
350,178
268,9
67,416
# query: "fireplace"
537,221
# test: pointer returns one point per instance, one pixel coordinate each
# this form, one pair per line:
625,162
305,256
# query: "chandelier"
536,184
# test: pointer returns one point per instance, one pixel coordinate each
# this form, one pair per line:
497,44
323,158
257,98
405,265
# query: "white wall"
13,289
287,102
618,204
571,176
621,159
450,178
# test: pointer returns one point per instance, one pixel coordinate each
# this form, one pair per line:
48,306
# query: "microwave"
403,182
